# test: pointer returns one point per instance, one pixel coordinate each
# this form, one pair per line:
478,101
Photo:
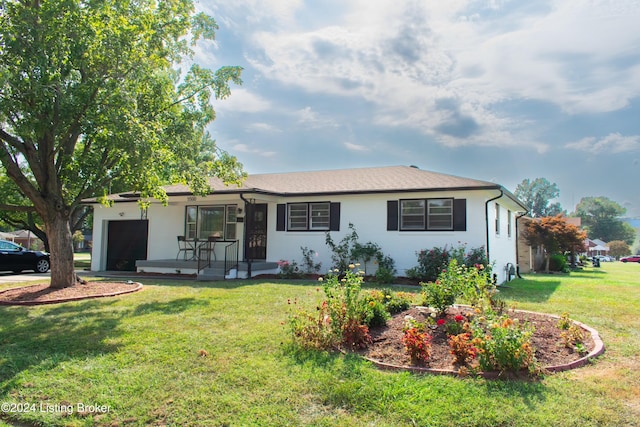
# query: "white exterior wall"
502,244
368,213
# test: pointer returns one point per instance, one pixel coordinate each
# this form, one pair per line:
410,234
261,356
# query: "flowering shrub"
503,344
288,270
313,330
417,343
462,348
376,313
442,293
309,265
432,262
339,320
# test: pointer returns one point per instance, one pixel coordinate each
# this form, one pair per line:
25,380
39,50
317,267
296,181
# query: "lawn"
214,353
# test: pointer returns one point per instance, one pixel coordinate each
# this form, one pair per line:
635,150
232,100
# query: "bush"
503,344
442,293
558,262
432,262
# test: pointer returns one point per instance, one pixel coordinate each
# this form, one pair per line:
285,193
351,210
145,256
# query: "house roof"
343,181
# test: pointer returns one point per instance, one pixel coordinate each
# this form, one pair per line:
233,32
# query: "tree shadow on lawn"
43,340
170,307
530,291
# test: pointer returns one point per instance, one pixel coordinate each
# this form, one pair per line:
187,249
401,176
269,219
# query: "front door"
256,232
126,243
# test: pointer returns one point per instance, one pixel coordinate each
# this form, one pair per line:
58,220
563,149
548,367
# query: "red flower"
459,318
441,322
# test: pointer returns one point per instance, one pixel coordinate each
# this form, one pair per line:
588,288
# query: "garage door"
126,243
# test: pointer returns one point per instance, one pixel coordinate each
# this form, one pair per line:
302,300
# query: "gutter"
486,219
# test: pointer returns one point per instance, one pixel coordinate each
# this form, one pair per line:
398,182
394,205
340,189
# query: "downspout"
486,219
247,232
518,245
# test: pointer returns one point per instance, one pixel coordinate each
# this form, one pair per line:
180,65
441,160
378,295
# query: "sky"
496,90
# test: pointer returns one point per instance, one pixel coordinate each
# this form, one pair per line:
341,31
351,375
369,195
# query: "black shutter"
460,214
334,216
281,215
392,215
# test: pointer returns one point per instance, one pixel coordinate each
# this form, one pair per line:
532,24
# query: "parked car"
632,258
604,258
14,257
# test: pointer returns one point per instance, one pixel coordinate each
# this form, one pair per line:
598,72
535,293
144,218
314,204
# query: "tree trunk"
61,247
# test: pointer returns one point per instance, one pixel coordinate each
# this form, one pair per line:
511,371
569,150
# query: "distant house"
271,216
596,247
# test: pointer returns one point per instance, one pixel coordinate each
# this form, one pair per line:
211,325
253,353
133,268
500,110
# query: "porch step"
211,274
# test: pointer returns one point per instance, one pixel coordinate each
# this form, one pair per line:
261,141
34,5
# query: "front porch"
214,271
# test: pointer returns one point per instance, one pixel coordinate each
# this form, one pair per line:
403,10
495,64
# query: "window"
508,223
426,214
497,219
440,214
412,214
309,216
205,221
298,216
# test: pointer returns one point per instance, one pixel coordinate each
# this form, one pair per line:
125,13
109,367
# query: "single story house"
270,217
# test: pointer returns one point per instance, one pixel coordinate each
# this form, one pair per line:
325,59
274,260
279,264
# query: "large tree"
537,195
91,93
601,217
555,235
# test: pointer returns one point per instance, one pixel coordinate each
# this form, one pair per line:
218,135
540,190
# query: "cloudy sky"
498,90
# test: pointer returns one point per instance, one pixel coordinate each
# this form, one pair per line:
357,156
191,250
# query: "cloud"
612,143
355,147
262,127
241,100
310,118
403,56
244,148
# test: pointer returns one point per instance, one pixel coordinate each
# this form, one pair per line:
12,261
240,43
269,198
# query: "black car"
15,258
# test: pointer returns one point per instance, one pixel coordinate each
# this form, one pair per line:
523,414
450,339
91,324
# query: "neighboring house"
596,247
28,240
401,208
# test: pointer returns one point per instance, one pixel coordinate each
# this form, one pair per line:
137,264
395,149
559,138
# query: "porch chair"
184,247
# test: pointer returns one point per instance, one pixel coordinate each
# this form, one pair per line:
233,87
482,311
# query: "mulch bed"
43,294
387,347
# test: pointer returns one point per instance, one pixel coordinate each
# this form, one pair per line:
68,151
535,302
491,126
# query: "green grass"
140,355
82,260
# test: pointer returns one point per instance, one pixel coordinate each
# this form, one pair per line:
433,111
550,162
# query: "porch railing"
230,257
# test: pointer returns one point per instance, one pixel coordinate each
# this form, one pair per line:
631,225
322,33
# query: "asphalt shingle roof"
362,180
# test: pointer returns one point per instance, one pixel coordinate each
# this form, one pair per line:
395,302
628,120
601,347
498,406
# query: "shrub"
313,330
376,313
558,262
503,344
442,293
288,270
432,262
309,265
384,276
339,320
